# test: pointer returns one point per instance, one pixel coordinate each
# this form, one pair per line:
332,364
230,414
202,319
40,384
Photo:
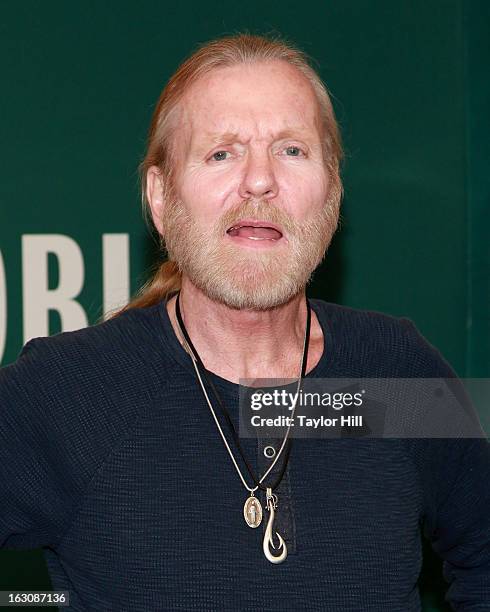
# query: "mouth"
255,230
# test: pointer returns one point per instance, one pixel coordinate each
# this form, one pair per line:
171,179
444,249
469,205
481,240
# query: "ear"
154,195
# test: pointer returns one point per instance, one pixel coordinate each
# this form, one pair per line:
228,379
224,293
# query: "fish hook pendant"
268,542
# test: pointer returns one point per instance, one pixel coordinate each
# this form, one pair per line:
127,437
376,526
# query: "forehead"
253,101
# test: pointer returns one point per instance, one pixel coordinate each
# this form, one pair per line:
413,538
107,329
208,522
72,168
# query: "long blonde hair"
241,48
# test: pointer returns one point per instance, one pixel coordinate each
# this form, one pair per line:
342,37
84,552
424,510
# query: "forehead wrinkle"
201,138
221,136
232,136
230,129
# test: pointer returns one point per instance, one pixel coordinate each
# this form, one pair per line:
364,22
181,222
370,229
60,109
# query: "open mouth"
255,230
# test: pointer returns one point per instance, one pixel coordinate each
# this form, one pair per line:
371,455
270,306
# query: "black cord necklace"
252,508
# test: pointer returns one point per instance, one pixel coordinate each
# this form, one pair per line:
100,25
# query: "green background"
411,91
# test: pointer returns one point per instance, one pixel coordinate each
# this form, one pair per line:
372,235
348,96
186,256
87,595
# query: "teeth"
235,231
245,225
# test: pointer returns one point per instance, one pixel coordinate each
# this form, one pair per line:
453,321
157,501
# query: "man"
115,457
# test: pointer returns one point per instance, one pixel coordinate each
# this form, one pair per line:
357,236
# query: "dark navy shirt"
110,460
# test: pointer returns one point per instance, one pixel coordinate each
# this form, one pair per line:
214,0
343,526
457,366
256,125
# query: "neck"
237,344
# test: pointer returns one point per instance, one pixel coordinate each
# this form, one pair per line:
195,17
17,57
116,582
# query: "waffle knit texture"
110,461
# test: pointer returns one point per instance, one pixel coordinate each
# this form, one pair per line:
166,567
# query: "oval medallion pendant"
252,512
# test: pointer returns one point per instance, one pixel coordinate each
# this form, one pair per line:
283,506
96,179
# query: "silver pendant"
268,542
252,511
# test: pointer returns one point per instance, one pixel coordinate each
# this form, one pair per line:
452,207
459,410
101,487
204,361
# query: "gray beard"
243,278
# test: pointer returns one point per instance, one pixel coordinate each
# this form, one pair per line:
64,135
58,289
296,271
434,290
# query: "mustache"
257,209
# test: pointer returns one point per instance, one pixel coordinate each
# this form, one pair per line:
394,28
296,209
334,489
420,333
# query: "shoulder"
111,361
123,338
394,342
361,321
91,384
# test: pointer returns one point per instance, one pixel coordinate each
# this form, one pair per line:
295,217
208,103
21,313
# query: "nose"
258,180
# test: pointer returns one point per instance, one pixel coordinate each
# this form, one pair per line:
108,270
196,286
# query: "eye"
219,155
296,151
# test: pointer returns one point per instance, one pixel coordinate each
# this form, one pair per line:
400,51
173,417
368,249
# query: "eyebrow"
222,137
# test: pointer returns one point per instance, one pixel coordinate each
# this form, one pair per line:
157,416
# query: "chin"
244,292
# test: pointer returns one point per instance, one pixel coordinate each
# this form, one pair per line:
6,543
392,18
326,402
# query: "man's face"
250,155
